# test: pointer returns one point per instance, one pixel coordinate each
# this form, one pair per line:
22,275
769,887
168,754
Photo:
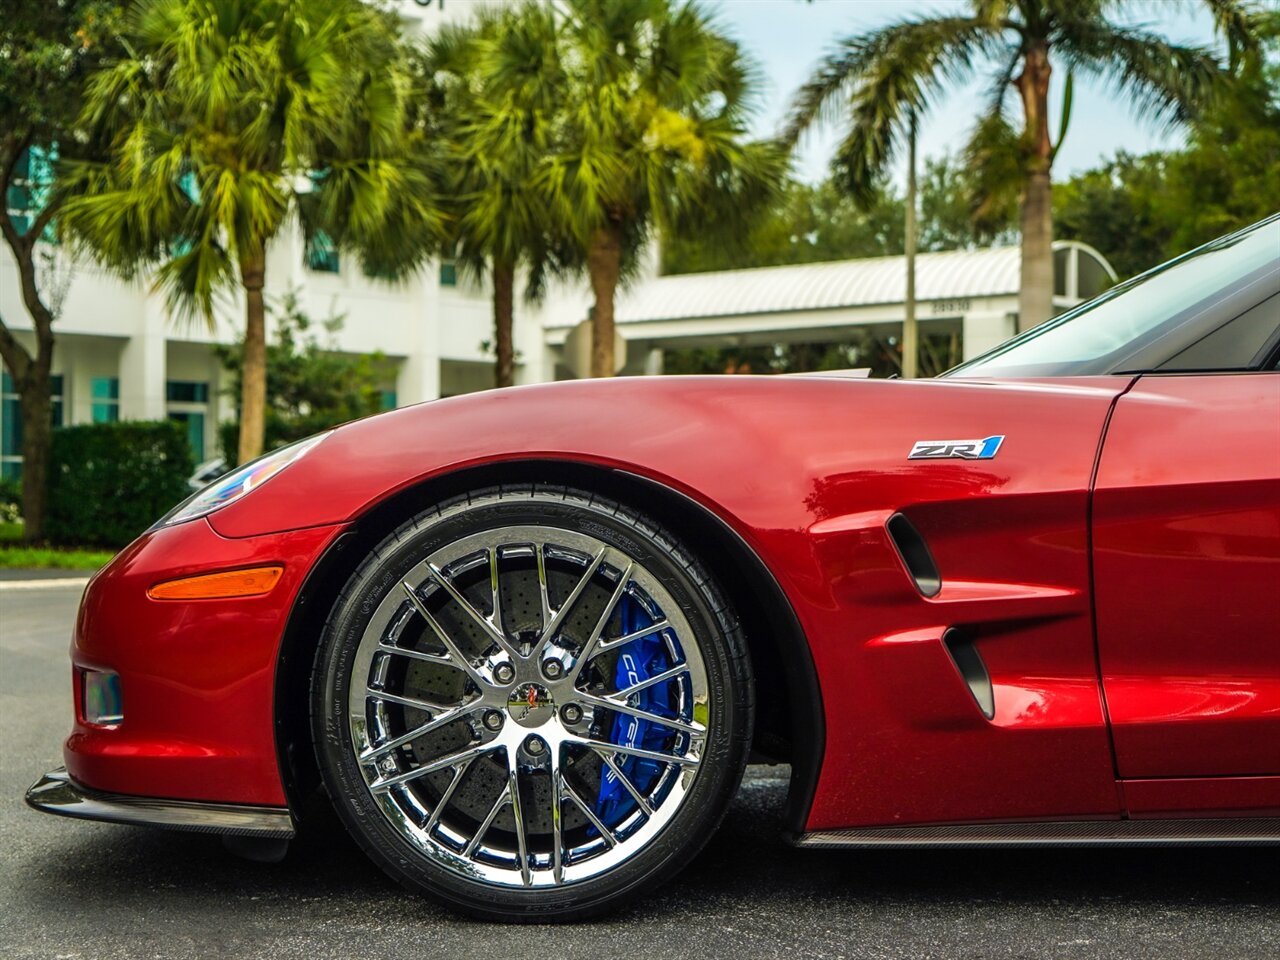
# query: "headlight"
239,482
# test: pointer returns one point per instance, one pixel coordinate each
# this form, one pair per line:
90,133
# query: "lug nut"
571,713
493,720
504,673
535,747
553,669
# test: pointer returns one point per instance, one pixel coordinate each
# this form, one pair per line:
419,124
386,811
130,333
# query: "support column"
143,365
982,331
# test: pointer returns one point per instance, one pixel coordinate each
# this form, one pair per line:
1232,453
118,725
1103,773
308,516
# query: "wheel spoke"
458,773
684,726
419,655
480,619
641,802
440,763
496,616
456,655
648,682
557,830
417,703
585,807
684,759
563,610
517,813
435,723
485,824
541,557
598,630
604,646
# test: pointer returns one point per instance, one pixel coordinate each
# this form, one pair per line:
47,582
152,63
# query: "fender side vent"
972,670
915,554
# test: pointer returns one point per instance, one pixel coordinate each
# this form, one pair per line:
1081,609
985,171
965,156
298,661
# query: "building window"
106,399
388,399
322,254
28,189
188,404
11,423
186,391
448,273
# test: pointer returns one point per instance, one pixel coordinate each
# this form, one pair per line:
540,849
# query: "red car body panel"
1187,539
196,676
807,471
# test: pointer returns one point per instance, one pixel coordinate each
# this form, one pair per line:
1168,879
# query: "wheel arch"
789,719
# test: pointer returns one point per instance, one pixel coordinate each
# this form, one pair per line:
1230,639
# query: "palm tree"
496,85
651,135
229,120
884,76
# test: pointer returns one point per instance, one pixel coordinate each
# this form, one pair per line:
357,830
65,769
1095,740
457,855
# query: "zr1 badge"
956,449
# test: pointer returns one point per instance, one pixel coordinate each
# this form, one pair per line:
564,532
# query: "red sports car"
527,639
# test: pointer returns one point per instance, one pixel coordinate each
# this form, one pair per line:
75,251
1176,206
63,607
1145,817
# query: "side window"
1239,344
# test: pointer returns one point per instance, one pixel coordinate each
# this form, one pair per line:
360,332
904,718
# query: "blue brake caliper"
639,660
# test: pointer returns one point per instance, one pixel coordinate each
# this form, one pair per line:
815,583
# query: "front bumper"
196,679
56,792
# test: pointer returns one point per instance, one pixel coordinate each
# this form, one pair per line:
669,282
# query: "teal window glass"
448,273
106,399
322,254
388,399
186,391
11,422
29,188
193,423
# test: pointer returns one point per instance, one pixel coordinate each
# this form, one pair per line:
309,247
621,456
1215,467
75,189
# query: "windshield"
1109,328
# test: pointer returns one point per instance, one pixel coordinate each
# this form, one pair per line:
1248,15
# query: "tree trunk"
504,282
31,376
253,370
37,438
910,328
604,264
1035,299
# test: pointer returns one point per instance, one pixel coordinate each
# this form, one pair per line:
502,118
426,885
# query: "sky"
787,37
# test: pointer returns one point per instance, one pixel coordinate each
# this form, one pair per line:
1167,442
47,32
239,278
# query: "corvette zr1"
527,640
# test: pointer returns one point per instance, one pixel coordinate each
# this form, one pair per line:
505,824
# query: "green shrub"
108,482
10,500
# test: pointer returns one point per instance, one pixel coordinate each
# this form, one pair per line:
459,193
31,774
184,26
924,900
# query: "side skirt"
1252,831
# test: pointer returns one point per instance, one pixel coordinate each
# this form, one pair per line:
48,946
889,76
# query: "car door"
1186,545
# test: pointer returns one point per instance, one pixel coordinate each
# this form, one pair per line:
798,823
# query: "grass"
14,555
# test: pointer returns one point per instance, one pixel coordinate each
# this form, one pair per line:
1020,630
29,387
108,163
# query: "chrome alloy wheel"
529,706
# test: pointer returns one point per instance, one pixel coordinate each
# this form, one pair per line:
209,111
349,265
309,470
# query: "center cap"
530,705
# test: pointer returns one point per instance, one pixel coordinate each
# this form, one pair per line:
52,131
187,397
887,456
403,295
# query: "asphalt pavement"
73,890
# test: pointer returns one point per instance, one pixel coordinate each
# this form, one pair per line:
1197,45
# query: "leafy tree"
652,135
885,76
1140,211
228,118
497,83
816,222
310,385
47,48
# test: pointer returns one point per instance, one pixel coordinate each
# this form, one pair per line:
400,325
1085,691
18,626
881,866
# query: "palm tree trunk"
1035,299
504,282
253,370
604,264
910,328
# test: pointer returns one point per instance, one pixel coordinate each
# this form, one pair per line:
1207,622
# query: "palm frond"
905,61
1165,82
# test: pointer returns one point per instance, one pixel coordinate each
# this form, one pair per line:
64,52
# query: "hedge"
108,482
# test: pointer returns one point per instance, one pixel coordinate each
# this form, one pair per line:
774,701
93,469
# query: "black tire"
719,642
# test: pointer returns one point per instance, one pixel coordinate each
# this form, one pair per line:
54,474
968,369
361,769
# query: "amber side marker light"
252,582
